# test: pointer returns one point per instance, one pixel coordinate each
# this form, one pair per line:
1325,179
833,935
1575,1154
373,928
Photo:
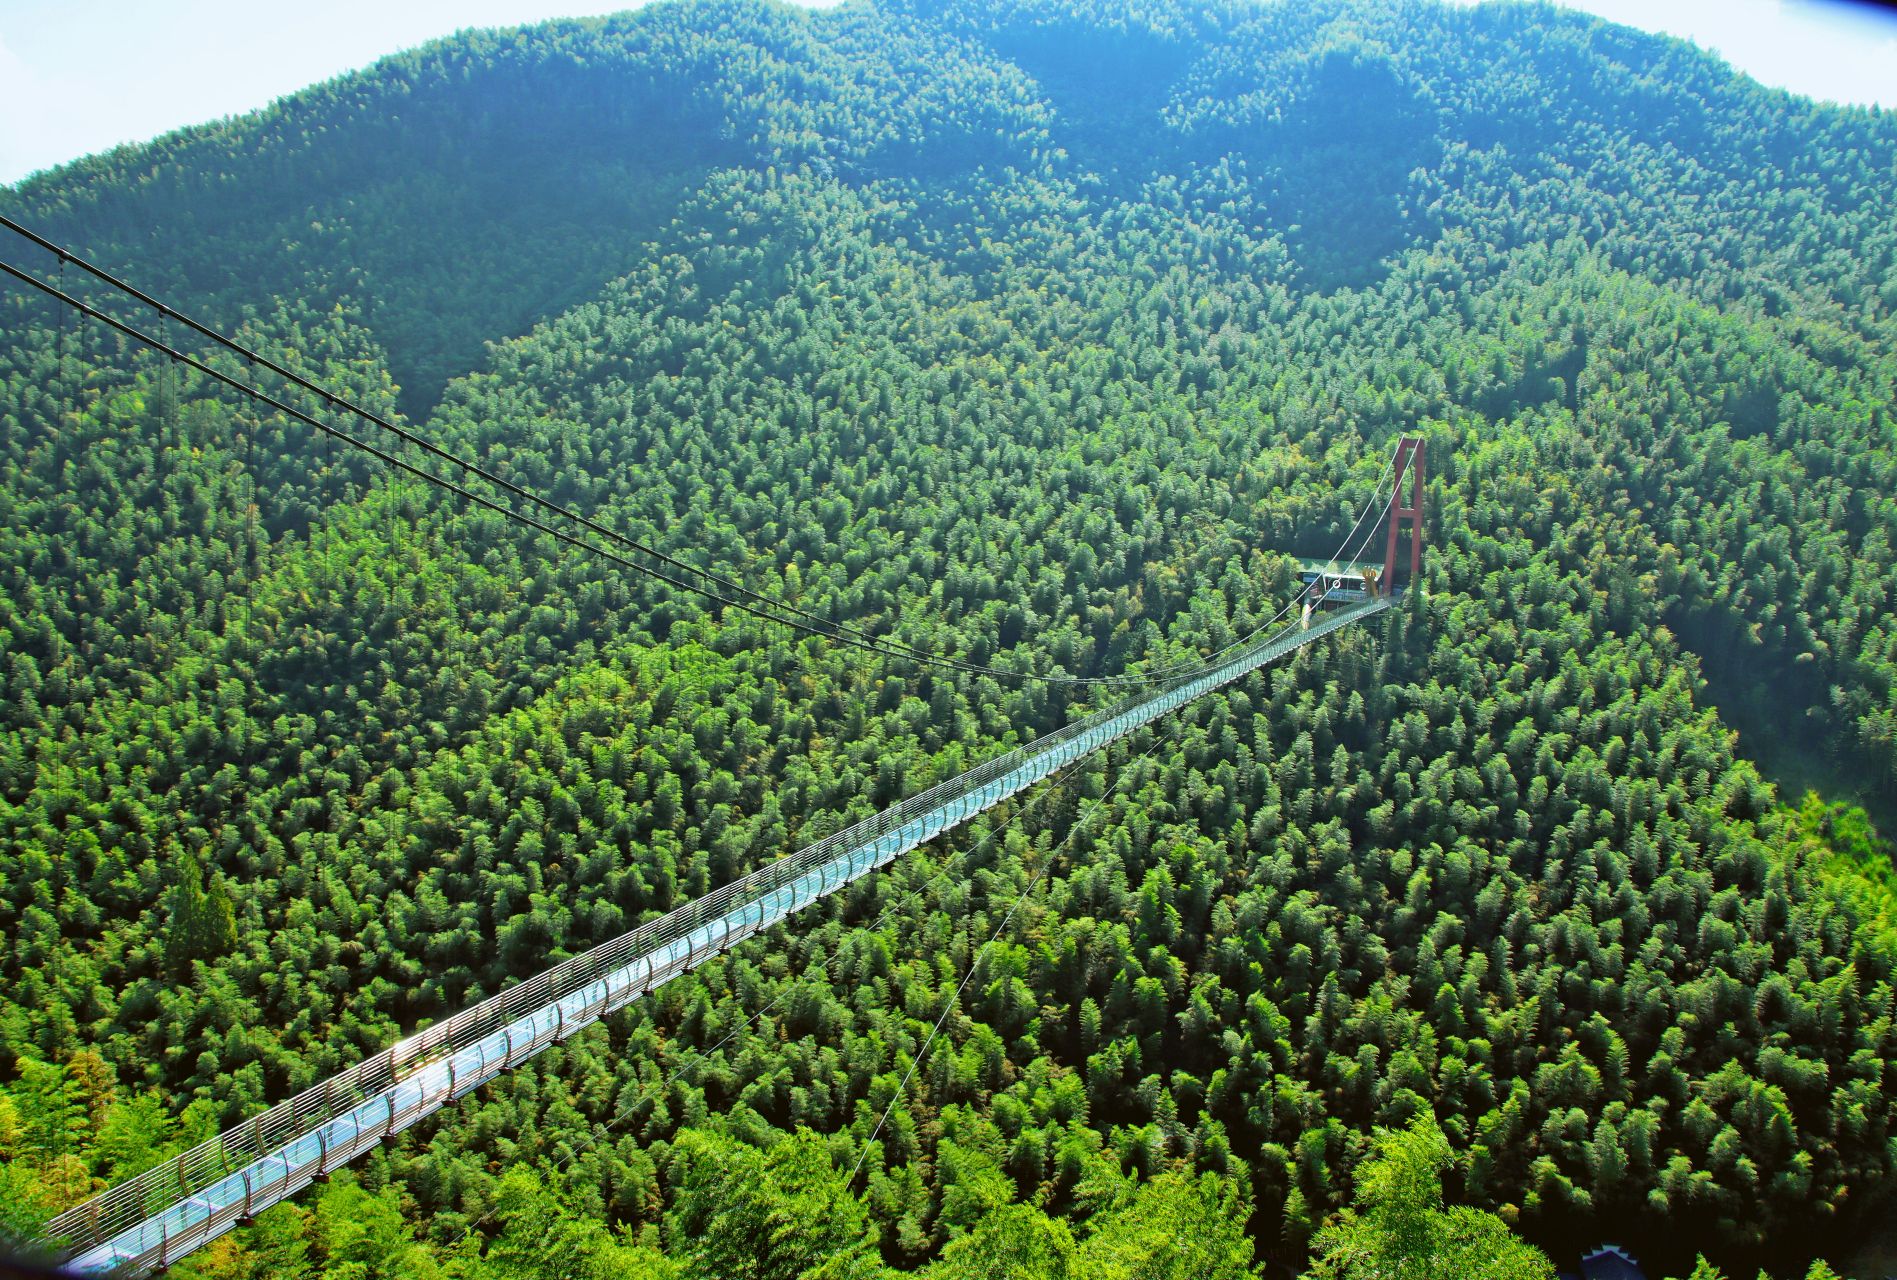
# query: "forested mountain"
1045,336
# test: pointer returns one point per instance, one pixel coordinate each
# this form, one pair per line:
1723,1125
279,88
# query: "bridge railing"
589,985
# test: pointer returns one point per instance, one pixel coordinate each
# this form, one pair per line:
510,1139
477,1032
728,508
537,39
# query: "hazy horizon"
80,77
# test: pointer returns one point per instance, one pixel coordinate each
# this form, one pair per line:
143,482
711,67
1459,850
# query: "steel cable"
728,593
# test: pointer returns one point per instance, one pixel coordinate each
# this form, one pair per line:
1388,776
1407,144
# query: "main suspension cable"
468,495
748,600
818,623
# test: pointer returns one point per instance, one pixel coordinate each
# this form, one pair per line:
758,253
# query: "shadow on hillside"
1777,712
1108,89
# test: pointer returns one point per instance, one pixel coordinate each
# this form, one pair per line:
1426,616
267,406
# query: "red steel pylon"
1409,466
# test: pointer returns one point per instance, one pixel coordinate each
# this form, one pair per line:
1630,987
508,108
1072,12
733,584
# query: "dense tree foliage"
1042,336
1401,1229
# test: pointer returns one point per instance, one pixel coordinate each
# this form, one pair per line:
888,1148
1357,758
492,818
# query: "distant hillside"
463,191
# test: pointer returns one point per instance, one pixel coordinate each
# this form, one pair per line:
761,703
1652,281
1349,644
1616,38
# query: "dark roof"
1611,1262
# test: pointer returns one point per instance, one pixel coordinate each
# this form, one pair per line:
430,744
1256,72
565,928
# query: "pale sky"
80,76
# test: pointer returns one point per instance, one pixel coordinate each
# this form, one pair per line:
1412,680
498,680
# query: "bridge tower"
1409,467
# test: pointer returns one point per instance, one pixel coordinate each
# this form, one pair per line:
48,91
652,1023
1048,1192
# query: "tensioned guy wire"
974,961
723,590
467,495
818,624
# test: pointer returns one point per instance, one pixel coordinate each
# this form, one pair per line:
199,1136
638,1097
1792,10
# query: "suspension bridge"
145,1223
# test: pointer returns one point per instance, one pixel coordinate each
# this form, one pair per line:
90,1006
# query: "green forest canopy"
1044,336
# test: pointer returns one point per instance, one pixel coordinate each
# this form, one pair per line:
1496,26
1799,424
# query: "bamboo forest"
514,501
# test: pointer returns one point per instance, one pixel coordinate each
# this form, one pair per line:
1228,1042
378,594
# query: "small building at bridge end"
1347,582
